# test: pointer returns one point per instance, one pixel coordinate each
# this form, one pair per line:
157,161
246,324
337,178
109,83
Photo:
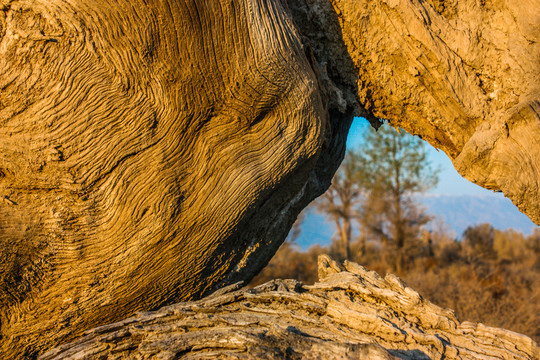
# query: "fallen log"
351,313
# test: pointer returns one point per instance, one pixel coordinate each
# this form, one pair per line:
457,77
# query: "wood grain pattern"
151,151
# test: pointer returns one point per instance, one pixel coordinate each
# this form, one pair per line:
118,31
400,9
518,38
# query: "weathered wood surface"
150,152
351,313
154,151
464,75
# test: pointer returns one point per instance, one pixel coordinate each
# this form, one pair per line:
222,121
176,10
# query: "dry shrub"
506,296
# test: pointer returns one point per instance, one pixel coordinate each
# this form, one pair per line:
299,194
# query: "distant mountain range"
461,211
458,212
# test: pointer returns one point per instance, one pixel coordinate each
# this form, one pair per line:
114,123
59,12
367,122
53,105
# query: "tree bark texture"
351,313
150,152
153,151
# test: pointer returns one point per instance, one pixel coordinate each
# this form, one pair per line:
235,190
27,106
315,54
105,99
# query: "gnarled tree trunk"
151,151
154,151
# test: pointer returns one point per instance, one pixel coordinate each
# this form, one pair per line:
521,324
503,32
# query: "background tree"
340,203
375,188
395,168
